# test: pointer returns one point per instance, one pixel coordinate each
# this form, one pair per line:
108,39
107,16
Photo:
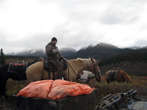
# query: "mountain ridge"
98,51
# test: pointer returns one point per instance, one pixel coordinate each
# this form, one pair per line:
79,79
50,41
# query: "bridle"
93,67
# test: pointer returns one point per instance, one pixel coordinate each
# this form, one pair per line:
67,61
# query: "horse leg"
3,80
3,87
60,75
108,81
53,76
64,76
49,75
57,75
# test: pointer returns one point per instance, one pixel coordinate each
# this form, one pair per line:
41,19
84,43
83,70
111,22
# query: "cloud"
2,1
29,24
140,43
3,42
122,12
76,35
25,17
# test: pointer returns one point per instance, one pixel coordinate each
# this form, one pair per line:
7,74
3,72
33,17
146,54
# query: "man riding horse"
55,62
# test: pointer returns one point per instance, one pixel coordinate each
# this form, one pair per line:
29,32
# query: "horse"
74,69
13,71
117,75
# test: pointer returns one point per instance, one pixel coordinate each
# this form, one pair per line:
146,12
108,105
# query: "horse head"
94,68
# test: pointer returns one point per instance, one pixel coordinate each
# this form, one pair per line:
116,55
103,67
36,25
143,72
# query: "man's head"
54,40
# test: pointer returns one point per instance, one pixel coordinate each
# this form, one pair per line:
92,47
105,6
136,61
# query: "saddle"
54,66
14,66
49,66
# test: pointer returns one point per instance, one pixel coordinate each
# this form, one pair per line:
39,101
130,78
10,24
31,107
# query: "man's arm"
49,49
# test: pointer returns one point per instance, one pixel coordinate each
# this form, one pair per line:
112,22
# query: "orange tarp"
54,89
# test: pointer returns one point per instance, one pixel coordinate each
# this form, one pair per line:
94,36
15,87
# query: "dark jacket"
52,52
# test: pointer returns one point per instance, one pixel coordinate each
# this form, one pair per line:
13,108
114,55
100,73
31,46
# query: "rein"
91,67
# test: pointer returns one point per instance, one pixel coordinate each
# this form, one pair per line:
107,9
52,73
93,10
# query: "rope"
72,69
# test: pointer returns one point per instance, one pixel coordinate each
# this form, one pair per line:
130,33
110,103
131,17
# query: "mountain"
135,47
133,62
68,52
32,52
99,51
145,47
132,56
106,45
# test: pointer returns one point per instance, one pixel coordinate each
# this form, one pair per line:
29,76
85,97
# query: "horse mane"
86,61
79,63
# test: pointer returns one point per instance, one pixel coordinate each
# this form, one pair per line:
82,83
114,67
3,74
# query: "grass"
13,87
138,83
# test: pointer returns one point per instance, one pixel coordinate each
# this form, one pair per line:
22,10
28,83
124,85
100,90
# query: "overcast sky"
30,24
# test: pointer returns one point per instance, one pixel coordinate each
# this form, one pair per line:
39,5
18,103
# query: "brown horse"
117,75
36,71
